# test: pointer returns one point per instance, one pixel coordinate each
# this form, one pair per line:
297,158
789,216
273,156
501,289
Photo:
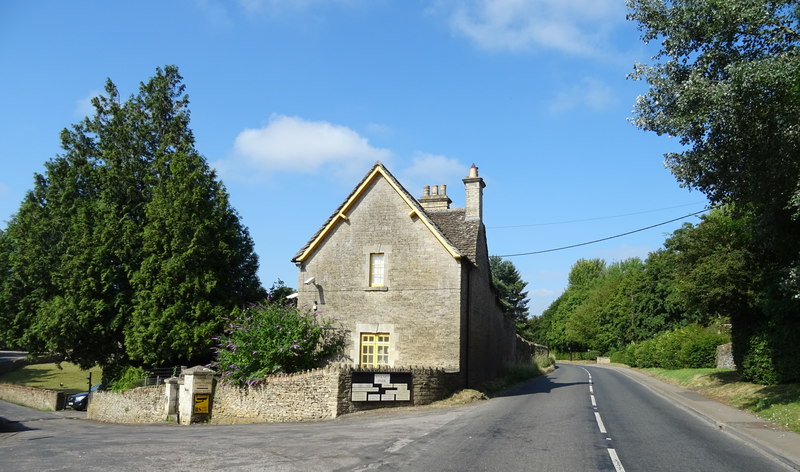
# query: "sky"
293,101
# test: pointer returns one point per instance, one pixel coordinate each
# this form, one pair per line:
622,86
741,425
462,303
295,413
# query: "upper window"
376,269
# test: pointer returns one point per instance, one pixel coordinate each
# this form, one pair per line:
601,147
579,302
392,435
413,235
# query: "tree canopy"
726,82
127,249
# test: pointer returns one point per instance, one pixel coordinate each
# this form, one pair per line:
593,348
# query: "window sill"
376,289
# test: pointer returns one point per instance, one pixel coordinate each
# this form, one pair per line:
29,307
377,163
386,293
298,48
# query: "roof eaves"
341,213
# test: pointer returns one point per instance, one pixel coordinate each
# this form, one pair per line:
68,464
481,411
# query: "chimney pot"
434,198
473,185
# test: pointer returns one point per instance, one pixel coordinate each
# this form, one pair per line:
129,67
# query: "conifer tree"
126,250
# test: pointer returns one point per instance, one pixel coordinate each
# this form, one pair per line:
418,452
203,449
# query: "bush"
273,339
131,377
576,355
767,351
689,347
543,361
619,357
646,355
699,347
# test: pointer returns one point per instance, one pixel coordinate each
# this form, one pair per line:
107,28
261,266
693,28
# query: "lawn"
779,404
69,378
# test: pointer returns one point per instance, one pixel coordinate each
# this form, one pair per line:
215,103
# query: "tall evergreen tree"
127,249
198,264
510,290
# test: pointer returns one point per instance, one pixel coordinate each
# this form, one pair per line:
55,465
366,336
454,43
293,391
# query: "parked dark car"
79,401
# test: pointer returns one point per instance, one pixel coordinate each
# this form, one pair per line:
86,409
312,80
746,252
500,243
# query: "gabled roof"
415,210
463,234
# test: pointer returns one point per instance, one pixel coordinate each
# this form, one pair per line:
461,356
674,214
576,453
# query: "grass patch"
779,404
49,376
462,397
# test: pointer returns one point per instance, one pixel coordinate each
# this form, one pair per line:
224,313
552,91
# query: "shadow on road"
7,426
541,384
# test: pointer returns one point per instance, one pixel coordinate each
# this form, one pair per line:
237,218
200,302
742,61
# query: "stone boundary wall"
139,405
428,385
725,356
320,394
303,396
313,395
33,397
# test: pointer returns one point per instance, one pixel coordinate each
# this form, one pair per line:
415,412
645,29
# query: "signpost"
381,387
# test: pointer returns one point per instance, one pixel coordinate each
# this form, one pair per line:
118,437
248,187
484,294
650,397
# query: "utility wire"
606,239
590,219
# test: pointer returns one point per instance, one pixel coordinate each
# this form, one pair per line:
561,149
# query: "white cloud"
215,12
83,106
578,27
431,169
379,129
4,189
589,93
292,144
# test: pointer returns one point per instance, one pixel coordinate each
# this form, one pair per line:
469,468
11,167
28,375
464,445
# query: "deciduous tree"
726,82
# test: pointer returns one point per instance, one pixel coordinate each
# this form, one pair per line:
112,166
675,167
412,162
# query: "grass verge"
779,404
69,378
517,373
514,374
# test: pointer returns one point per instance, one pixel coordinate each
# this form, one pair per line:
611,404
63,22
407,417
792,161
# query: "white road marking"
611,452
399,444
615,460
600,423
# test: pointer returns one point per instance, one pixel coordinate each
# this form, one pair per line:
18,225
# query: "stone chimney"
473,185
434,197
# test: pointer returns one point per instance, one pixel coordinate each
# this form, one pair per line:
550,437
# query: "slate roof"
461,235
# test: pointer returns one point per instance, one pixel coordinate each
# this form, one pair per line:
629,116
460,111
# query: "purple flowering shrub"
271,339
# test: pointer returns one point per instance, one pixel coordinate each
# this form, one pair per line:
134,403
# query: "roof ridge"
417,208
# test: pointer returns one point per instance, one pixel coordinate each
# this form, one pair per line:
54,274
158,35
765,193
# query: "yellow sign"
201,403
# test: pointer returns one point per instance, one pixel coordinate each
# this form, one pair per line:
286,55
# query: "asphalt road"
547,424
10,356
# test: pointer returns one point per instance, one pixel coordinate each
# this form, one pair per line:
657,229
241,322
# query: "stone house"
410,281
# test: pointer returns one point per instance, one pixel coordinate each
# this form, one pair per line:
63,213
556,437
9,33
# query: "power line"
591,219
606,239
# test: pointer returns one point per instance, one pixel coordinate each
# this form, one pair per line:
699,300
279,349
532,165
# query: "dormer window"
376,269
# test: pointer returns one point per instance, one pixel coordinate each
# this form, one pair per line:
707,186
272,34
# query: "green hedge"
690,347
576,355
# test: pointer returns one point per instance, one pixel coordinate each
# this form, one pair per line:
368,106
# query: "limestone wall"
319,394
428,385
311,395
139,405
307,396
725,356
33,397
493,341
419,304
